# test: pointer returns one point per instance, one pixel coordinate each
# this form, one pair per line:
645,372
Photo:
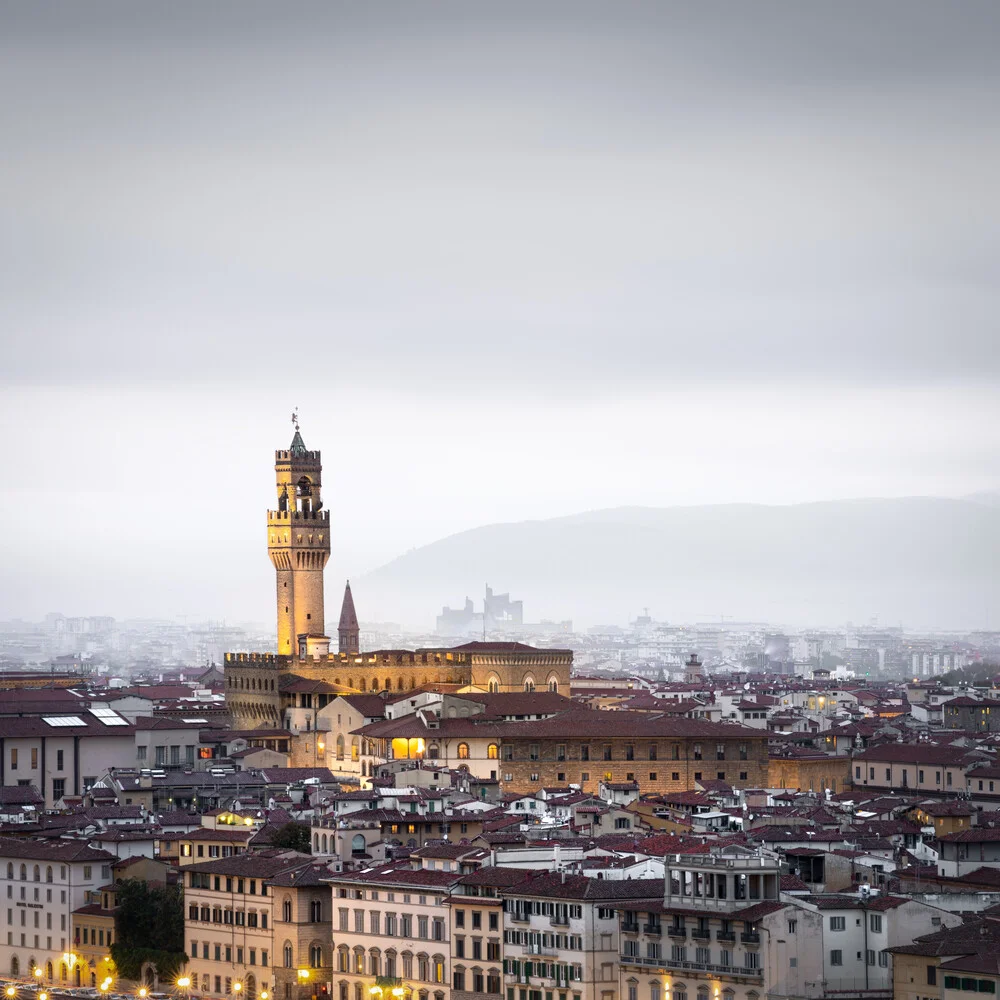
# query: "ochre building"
259,685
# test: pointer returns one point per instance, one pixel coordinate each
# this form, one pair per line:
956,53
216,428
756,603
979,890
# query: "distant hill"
918,560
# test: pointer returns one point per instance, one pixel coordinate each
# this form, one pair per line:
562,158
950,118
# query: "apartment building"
230,921
920,767
561,935
64,754
859,933
302,964
719,931
43,883
391,929
660,752
477,931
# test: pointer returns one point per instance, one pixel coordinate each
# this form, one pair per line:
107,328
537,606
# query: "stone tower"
348,631
298,543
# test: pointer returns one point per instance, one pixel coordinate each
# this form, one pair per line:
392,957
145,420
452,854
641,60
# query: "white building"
43,883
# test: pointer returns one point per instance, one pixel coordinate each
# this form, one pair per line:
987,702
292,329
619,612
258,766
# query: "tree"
293,837
149,927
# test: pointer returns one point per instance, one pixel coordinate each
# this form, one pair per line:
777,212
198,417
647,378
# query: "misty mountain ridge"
920,561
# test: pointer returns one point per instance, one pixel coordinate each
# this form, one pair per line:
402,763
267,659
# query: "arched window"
493,751
433,751
343,959
680,991
10,869
250,988
703,993
326,845
340,747
359,961
286,911
354,748
24,873
48,971
553,685
316,844
375,686
654,990
287,954
374,963
529,686
37,873
358,845
463,751
315,956
493,686
15,966
48,873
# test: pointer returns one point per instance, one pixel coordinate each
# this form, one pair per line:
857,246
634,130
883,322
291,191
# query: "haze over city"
509,264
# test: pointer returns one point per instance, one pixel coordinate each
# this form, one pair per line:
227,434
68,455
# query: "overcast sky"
509,260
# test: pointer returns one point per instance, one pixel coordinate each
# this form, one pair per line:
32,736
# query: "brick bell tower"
298,543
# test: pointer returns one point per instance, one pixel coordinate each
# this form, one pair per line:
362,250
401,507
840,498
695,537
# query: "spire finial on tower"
298,446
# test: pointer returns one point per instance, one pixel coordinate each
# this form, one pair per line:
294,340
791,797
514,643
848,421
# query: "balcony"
668,963
701,934
677,932
630,927
655,929
750,937
725,935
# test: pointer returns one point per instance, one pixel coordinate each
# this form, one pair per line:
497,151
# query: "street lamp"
11,991
142,992
237,987
303,974
264,995
37,972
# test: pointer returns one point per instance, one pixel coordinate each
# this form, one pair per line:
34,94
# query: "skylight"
63,720
108,717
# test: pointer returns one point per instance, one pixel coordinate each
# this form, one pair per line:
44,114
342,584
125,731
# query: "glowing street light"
264,995
303,974
184,982
11,991
42,995
142,992
37,972
237,987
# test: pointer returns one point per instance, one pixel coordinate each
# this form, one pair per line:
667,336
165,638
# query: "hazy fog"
511,261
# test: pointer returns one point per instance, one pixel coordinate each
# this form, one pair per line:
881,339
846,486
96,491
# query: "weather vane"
295,417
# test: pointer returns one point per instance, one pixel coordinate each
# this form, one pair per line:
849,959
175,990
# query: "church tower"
348,631
298,543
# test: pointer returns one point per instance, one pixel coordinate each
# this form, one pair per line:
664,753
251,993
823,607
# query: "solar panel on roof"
63,720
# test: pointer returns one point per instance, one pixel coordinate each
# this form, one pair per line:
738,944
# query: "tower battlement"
297,456
272,660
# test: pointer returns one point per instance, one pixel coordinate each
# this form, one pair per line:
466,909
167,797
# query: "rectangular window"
838,923
836,957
